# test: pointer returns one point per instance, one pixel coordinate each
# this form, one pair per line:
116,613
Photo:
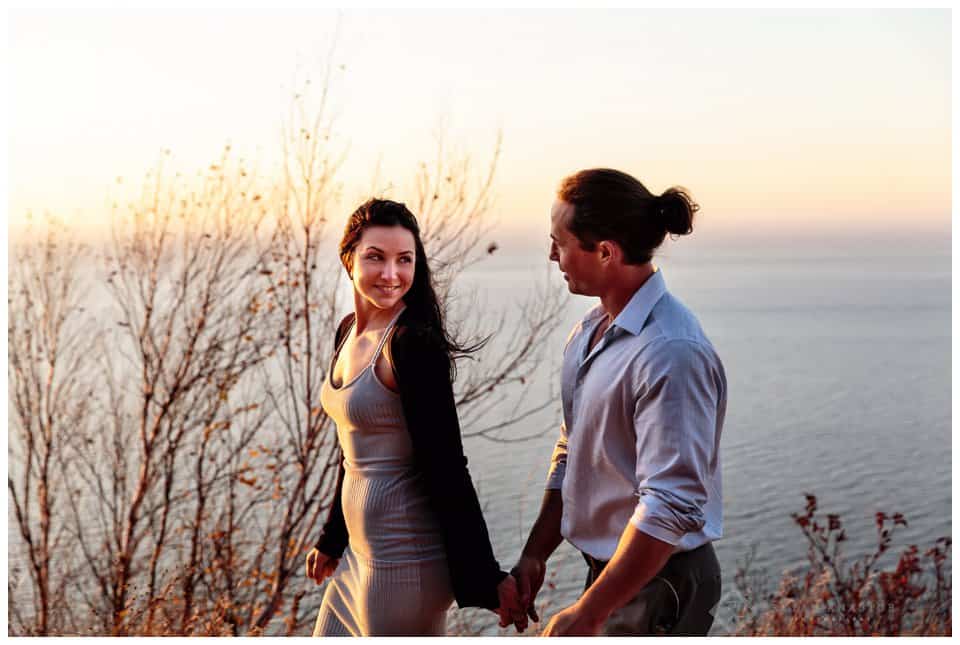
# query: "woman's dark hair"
612,205
425,315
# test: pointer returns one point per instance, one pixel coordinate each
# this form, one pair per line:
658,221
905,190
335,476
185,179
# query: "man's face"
581,269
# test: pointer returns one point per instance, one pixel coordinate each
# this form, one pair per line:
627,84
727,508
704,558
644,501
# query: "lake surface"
839,377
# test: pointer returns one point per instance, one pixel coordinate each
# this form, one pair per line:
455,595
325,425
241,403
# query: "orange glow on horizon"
796,138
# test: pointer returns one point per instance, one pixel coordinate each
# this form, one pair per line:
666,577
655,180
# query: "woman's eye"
373,256
405,260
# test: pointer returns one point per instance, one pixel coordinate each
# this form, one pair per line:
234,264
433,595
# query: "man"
634,482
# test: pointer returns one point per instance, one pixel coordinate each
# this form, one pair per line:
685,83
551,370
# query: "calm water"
839,385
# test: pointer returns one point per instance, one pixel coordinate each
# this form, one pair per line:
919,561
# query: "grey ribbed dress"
393,577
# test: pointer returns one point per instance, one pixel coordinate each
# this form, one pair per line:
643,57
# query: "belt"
596,566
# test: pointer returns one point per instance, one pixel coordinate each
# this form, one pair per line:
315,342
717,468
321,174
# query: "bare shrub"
199,458
836,596
49,406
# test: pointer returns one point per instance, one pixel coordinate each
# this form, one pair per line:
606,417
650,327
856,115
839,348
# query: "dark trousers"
681,600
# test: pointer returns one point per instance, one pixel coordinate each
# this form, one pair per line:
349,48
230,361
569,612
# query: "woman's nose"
389,271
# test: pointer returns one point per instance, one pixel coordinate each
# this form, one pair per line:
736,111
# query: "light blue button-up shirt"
642,417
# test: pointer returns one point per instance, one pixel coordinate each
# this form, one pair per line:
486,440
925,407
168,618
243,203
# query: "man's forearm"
636,561
545,535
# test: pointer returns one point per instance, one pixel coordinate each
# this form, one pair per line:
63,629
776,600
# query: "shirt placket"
607,339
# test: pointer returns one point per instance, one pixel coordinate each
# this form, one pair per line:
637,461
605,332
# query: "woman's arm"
423,376
335,538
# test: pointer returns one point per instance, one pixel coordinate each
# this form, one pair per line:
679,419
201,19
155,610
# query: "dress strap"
386,335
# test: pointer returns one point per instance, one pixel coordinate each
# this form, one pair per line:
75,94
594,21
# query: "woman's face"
383,265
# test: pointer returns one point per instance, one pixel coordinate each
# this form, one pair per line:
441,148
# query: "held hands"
510,610
517,592
529,572
572,621
320,565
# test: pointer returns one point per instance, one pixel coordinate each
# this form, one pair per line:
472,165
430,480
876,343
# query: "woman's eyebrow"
378,249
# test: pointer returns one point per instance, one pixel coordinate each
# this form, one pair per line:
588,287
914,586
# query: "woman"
405,535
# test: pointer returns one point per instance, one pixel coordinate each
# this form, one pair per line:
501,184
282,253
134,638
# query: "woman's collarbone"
358,354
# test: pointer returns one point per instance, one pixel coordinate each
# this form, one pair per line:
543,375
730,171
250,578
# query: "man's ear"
609,251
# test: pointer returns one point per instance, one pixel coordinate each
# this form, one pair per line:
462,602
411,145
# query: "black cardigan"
426,394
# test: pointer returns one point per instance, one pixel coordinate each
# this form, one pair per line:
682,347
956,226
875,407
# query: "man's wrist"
529,553
591,610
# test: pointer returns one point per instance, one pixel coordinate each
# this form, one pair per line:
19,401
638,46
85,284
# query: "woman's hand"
320,565
510,610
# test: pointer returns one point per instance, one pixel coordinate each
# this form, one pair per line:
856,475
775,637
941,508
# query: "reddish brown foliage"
856,598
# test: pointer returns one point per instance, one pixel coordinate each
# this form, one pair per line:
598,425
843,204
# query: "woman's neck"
371,318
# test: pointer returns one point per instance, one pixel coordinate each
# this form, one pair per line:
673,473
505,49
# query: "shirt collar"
638,309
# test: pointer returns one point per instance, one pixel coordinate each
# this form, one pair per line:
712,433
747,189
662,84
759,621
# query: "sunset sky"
776,120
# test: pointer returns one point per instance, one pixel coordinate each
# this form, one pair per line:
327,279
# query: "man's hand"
510,610
529,572
573,621
320,565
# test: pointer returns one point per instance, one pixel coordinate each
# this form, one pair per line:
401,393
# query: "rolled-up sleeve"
676,420
558,462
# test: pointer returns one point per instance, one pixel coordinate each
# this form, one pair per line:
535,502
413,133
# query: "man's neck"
624,284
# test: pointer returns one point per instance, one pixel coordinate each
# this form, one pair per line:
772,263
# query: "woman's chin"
384,302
